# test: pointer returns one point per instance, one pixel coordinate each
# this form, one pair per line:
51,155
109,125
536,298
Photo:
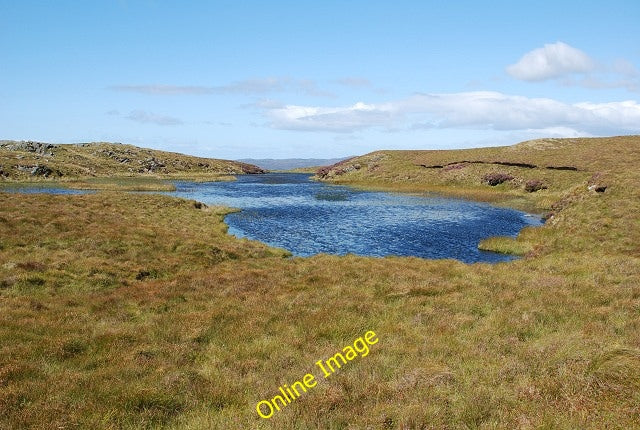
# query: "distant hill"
291,163
28,160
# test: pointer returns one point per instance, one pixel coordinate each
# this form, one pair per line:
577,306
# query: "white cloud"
555,132
553,60
338,119
626,114
470,110
574,68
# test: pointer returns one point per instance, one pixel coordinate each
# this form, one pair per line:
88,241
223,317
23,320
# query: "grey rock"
41,171
31,146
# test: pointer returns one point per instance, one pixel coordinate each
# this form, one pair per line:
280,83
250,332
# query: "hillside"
497,174
122,310
290,163
29,161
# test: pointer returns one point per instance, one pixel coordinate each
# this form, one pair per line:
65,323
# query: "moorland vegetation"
122,310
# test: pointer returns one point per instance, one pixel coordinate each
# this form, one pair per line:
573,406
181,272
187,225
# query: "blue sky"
280,79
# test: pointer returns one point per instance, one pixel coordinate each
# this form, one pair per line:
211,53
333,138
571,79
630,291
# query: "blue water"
290,211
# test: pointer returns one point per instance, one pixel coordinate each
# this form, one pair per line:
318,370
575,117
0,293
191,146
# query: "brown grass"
216,324
101,165
461,172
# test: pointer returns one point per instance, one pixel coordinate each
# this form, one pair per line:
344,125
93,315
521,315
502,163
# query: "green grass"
505,245
123,310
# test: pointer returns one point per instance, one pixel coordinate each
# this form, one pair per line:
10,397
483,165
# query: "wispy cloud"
260,86
162,89
601,83
354,82
470,110
145,117
253,86
621,74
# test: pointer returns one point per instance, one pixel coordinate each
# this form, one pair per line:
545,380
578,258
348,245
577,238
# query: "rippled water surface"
306,217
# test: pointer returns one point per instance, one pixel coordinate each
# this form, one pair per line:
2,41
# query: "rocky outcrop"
124,156
337,169
251,169
38,170
41,171
31,146
151,165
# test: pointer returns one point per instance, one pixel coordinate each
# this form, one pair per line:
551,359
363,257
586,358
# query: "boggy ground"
137,311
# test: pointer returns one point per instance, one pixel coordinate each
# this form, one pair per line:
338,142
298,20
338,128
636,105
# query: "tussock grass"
217,324
505,245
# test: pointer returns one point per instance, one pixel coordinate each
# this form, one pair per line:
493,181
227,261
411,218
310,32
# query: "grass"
101,165
126,310
505,245
121,184
461,173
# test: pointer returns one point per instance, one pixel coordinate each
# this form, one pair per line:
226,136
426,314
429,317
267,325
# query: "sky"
317,79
